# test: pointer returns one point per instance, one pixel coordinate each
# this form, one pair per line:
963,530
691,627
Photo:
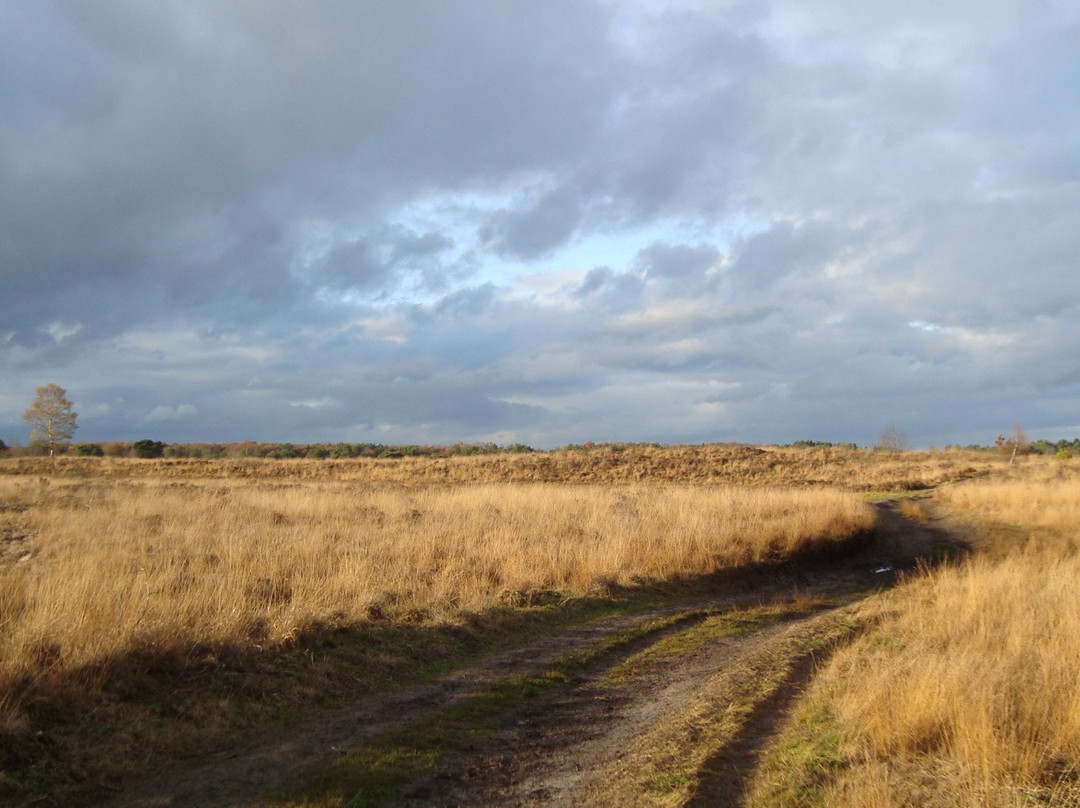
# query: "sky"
409,221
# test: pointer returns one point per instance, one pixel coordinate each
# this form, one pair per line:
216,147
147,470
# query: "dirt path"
690,722
601,744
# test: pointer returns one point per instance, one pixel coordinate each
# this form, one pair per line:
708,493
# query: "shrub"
1063,454
90,450
147,448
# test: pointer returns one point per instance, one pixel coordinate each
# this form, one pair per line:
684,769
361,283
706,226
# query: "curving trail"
679,714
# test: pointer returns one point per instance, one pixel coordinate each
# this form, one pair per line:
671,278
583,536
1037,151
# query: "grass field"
165,604
119,578
125,564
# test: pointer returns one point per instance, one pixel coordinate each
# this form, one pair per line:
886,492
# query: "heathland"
150,609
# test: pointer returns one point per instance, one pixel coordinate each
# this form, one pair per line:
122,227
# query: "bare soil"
688,730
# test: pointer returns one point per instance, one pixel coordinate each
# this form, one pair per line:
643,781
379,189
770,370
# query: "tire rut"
727,775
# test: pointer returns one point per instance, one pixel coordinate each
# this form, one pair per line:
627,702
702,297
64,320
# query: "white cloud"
169,412
62,331
326,402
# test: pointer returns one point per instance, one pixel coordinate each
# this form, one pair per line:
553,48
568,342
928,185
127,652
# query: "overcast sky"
553,222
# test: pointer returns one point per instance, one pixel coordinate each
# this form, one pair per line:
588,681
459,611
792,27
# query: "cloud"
167,412
535,229
677,264
556,222
376,263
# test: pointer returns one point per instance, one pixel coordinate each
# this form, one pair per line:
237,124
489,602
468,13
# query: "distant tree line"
619,446
148,448
1042,447
53,422
285,451
1047,448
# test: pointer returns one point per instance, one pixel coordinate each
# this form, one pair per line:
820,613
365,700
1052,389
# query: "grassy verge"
94,569
966,692
811,754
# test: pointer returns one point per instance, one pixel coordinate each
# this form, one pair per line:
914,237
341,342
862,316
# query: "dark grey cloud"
161,146
677,262
782,250
535,230
617,291
377,262
542,222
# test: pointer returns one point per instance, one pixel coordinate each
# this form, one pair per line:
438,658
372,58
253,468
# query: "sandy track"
608,746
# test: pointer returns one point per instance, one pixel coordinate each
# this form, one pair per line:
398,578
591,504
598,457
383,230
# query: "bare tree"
51,419
1016,443
893,439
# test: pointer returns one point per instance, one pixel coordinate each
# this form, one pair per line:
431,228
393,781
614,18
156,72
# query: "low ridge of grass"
802,764
714,464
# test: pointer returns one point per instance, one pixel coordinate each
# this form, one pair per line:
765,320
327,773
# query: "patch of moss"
803,762
714,627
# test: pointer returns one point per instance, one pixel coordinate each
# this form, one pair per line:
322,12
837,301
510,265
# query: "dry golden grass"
854,469
104,562
1045,508
968,690
96,568
913,510
972,679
